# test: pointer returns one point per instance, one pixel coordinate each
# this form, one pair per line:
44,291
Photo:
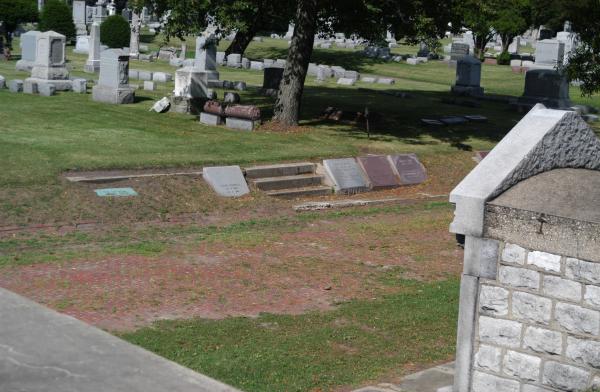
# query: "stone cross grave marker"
379,170
408,167
226,181
347,176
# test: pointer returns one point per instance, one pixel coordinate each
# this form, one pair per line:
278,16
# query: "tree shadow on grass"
400,118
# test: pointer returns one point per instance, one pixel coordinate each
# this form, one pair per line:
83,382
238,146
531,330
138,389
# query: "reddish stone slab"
408,167
379,171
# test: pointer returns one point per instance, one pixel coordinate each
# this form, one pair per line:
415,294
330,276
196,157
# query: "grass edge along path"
358,342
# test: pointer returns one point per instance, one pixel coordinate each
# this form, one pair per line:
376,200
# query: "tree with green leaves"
512,18
15,12
370,19
57,16
584,63
115,32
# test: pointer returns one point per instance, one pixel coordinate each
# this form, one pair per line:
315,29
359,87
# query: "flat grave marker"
116,192
432,121
227,181
347,176
453,120
408,168
476,118
379,170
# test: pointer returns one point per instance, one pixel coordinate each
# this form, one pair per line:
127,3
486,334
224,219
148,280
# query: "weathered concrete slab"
347,176
42,350
226,181
408,167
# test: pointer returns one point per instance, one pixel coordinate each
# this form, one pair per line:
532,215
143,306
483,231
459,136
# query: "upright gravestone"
79,17
379,171
99,11
134,40
50,62
113,84
272,78
28,51
192,83
468,77
409,169
459,50
529,313
93,62
346,174
549,54
226,181
545,86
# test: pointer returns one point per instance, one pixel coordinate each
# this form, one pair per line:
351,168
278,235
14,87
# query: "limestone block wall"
537,324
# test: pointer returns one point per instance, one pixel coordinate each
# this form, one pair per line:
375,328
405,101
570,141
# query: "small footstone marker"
347,176
476,118
116,192
380,172
408,168
453,120
431,121
226,181
479,155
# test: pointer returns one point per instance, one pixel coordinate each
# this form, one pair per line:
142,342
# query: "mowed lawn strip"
358,342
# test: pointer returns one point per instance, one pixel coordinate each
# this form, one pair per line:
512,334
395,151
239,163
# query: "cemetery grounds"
247,290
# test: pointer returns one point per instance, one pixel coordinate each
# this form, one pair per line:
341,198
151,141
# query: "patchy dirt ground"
291,268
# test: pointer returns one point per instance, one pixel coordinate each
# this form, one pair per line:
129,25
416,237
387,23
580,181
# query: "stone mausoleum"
529,317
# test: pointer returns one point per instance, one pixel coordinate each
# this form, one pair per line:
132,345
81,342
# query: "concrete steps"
290,180
283,170
295,193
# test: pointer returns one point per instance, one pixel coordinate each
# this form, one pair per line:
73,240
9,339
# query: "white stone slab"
227,181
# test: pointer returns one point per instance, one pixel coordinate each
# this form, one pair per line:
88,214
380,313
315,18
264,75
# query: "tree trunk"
506,41
240,42
480,43
287,107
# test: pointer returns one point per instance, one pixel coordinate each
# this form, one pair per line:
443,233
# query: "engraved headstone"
545,86
79,17
134,40
379,170
346,174
549,53
28,51
468,77
50,61
113,84
93,62
408,168
226,181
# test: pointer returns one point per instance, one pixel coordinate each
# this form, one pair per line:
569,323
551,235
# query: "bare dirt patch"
285,269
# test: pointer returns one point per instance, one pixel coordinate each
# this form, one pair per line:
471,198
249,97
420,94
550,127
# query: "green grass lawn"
42,137
359,341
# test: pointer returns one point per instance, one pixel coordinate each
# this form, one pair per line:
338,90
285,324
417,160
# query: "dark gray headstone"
272,78
380,172
346,174
226,181
545,86
408,167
